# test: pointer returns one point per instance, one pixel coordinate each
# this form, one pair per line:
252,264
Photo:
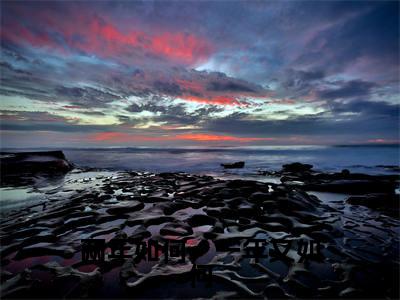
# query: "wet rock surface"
373,191
359,256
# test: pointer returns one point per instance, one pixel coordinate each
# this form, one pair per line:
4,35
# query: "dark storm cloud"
56,127
368,119
86,96
151,107
310,75
299,82
168,88
13,54
8,66
229,87
361,36
367,108
309,126
43,121
354,88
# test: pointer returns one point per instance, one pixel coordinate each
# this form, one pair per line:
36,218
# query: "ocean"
363,159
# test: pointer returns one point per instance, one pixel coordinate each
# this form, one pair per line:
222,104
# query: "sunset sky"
171,73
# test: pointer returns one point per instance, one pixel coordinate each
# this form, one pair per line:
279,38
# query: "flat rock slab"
125,207
214,219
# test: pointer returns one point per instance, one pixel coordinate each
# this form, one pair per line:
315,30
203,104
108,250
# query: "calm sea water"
200,160
365,159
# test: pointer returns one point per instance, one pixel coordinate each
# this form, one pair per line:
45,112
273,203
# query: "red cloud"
197,87
183,47
92,34
220,100
118,137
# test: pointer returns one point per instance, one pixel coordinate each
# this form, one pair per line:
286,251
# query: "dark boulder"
235,165
34,162
296,167
345,172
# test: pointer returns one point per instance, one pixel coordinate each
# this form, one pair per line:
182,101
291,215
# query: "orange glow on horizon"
115,137
383,141
210,137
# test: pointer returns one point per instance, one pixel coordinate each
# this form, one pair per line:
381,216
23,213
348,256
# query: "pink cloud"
82,30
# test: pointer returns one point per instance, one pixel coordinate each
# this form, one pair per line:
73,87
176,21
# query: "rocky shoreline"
358,232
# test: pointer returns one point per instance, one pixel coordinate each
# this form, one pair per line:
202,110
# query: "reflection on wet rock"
218,222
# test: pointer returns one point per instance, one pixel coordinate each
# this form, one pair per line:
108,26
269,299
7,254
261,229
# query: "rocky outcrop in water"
373,191
17,165
235,165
